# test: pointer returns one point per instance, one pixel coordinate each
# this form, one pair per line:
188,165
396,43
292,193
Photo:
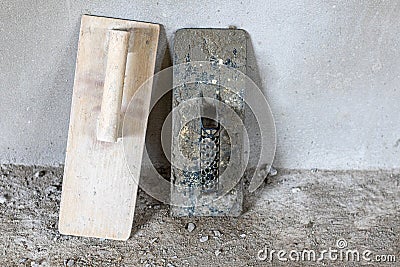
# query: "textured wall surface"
331,72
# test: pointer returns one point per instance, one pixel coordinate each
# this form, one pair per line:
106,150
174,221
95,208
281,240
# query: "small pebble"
70,262
190,227
3,199
20,241
296,190
204,238
40,174
272,171
217,252
217,233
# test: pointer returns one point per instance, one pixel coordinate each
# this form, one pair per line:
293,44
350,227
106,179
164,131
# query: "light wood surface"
109,119
99,191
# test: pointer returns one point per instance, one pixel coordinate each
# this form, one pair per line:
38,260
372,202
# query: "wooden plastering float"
115,57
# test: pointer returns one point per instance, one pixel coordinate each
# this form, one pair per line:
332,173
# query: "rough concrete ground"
295,210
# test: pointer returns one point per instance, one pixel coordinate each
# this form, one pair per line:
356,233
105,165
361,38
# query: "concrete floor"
295,210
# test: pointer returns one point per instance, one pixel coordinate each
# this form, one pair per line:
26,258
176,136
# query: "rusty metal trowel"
115,57
206,59
210,145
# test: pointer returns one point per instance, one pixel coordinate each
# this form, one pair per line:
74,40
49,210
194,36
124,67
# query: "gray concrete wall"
331,71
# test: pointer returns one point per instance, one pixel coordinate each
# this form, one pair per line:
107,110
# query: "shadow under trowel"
253,130
156,121
158,148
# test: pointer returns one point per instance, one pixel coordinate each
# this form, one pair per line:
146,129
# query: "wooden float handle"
109,119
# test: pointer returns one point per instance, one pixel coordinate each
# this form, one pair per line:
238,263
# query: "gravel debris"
272,171
204,239
40,173
3,199
28,226
70,262
190,227
217,233
296,190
